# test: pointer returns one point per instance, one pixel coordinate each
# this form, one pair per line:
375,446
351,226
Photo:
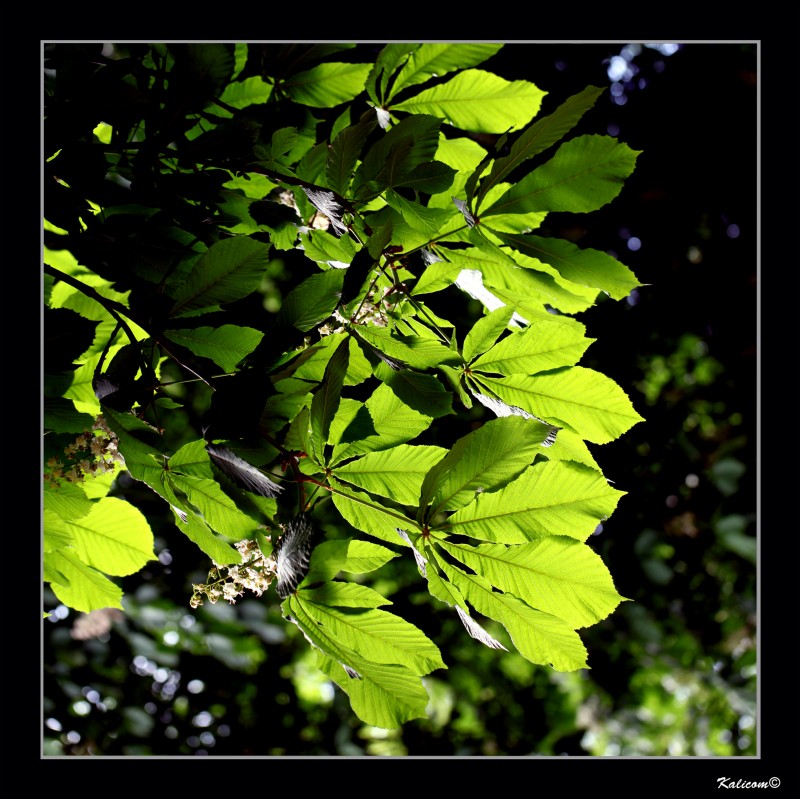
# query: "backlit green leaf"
583,175
539,637
395,473
590,403
557,575
114,538
327,85
478,101
229,270
483,460
542,346
434,59
549,498
226,345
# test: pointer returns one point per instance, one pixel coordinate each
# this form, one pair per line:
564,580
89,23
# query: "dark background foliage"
673,671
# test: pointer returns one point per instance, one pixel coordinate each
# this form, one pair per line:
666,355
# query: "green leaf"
346,595
382,694
216,507
55,532
570,446
395,473
389,59
540,637
586,267
67,500
250,91
429,178
229,270
484,460
324,247
197,531
327,85
114,537
393,157
363,513
192,459
311,302
478,101
539,136
379,636
557,575
326,399
391,420
448,593
529,291
437,276
347,555
549,498
386,696
138,443
88,590
486,331
437,59
541,346
427,220
344,152
226,345
60,416
424,393
583,175
416,351
590,403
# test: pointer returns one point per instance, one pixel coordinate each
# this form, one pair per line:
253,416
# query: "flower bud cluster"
254,573
92,453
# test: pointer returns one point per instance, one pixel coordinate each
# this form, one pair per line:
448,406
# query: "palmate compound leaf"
556,574
548,498
539,637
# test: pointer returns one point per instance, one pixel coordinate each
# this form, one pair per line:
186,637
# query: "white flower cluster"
254,573
92,453
368,313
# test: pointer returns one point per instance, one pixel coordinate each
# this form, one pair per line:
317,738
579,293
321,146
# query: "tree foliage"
262,270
